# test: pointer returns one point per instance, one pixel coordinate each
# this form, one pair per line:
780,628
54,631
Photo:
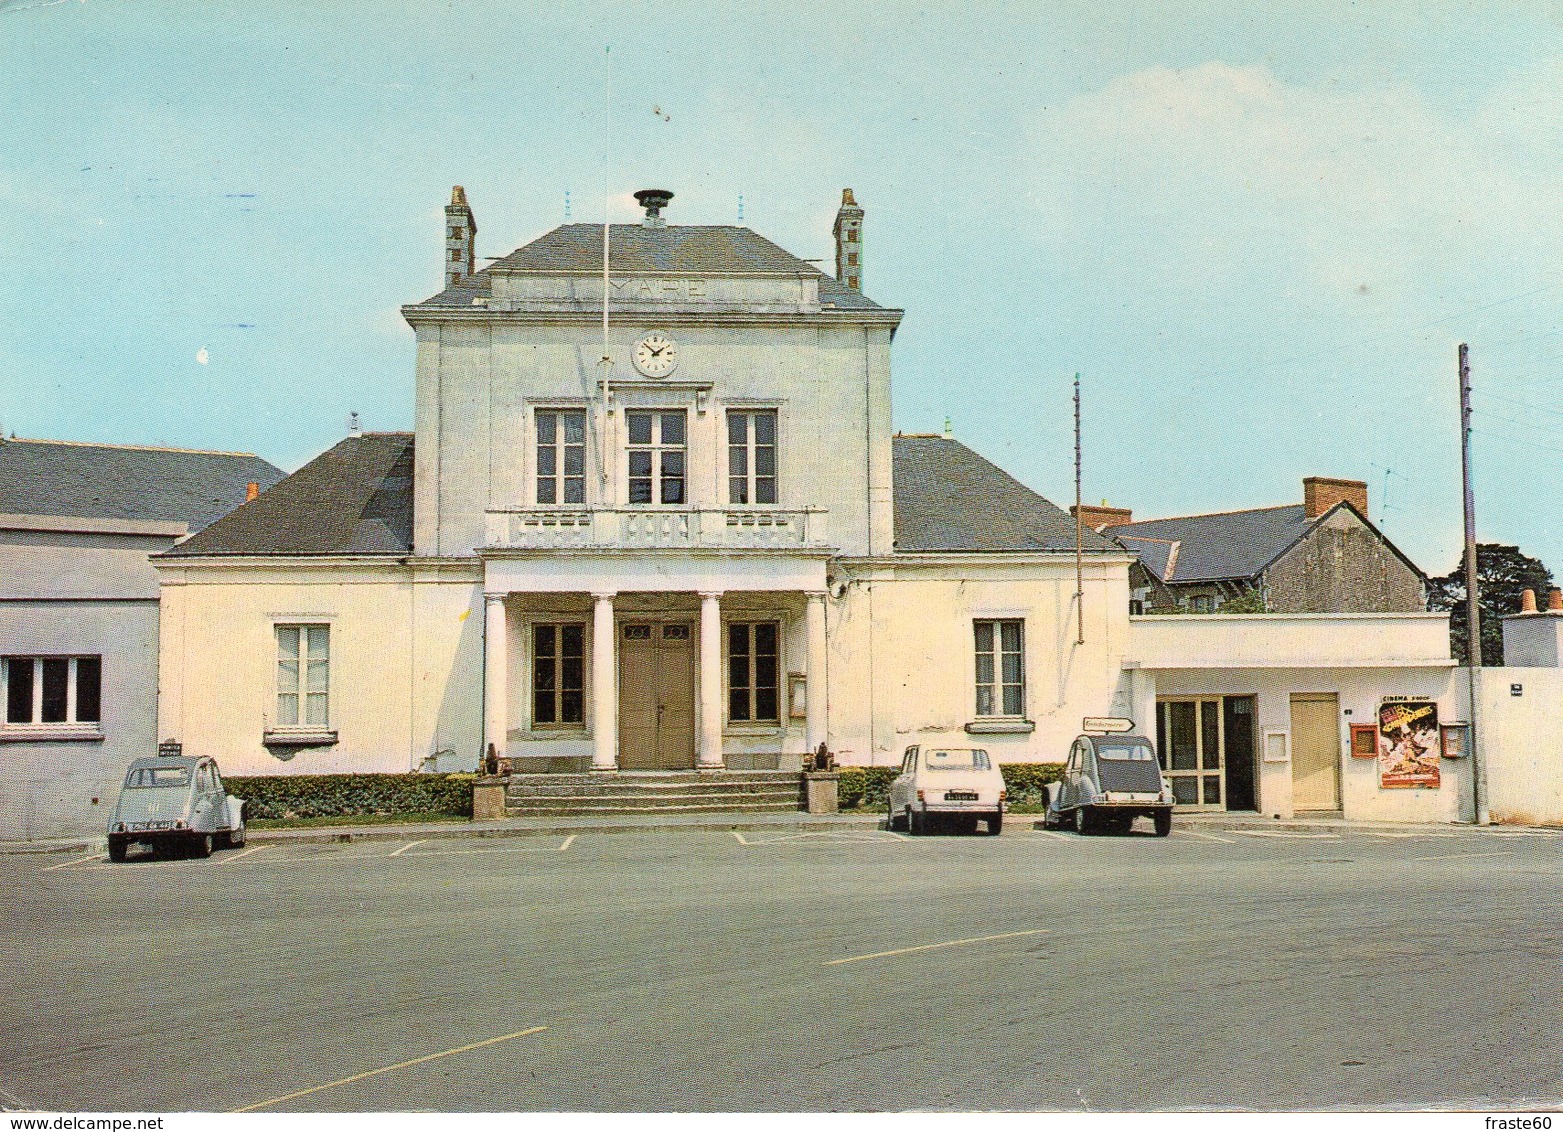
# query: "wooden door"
1316,752
656,697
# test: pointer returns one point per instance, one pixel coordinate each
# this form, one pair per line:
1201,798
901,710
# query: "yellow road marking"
391,1068
408,846
241,856
933,946
77,861
567,842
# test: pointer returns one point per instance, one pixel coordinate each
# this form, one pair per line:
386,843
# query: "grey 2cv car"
175,802
1109,780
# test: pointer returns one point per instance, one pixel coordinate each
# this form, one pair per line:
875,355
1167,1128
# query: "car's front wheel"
916,823
894,821
1083,822
1163,820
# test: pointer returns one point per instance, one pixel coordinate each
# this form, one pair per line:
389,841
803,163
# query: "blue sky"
1258,231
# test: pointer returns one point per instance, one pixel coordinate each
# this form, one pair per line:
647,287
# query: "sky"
1257,231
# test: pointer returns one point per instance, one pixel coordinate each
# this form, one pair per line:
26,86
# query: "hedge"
867,787
339,795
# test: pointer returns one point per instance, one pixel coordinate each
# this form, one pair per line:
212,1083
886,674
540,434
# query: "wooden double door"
656,696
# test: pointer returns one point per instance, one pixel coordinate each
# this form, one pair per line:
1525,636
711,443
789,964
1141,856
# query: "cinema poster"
1408,743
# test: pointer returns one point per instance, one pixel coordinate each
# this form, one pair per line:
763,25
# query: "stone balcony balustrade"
656,528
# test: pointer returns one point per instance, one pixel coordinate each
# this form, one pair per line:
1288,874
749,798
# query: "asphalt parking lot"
841,969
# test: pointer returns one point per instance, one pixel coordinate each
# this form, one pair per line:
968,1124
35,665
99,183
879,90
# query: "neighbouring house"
1322,555
79,613
680,535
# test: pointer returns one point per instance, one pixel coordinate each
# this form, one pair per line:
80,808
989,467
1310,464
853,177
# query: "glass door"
1192,748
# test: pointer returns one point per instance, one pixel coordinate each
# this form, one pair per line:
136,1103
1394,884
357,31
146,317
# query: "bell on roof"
654,201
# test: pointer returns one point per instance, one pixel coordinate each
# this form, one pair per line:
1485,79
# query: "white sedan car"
955,784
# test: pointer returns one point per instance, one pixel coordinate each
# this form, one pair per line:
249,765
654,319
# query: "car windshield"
957,760
1137,750
144,777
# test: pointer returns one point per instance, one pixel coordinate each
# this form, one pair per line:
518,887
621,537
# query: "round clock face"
655,354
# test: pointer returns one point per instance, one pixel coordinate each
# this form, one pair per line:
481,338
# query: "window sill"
49,733
300,738
1000,727
547,734
764,729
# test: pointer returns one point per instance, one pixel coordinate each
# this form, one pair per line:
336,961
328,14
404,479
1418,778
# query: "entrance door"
1315,752
1190,743
656,698
1237,727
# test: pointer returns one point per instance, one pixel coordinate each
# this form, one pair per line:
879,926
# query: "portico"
625,663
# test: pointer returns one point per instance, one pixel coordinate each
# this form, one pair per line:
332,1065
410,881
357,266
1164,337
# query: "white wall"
405,664
1289,640
1523,744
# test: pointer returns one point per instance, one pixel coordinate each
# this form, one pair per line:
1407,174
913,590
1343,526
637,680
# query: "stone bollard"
488,799
821,792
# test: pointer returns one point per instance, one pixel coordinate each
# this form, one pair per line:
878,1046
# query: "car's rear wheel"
1163,820
995,824
118,847
201,845
895,821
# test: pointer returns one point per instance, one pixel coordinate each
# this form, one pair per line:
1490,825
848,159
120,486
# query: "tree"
1501,573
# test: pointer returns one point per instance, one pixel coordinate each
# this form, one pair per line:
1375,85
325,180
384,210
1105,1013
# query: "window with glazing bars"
751,455
52,689
1001,669
303,675
656,456
753,694
561,456
558,674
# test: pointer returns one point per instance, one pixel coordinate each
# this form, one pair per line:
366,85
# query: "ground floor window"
52,689
753,684
1206,748
558,674
1001,667
303,675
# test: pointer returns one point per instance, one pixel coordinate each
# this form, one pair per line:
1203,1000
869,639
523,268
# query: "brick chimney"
251,492
849,242
1100,518
461,233
1320,493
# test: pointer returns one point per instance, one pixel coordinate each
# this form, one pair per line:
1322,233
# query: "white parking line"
12,1098
77,861
488,852
1289,835
1206,836
567,842
241,856
1053,833
1464,856
408,846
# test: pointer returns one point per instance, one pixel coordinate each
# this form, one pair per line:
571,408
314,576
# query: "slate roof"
948,498
1208,548
354,498
678,249
114,481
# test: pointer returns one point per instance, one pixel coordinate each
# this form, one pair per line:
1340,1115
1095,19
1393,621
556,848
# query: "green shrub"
868,787
343,795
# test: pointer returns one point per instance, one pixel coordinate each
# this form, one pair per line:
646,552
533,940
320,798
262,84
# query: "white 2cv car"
959,785
173,802
1111,778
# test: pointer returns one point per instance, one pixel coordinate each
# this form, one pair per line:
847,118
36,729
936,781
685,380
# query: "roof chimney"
1099,518
1320,493
1527,601
1555,600
252,492
849,242
653,201
461,232
353,427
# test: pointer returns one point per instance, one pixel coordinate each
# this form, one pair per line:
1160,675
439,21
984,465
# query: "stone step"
583,809
653,777
652,801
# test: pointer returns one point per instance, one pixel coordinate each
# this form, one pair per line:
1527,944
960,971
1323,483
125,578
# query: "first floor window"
1001,667
558,674
753,694
656,450
52,689
303,675
561,456
751,455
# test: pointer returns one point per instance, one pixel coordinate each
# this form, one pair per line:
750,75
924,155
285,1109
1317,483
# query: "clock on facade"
655,354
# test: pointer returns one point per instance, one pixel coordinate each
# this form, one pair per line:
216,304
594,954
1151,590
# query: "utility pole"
1079,531
1473,616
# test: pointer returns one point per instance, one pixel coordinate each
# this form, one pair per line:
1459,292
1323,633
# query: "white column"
814,678
605,686
495,684
710,754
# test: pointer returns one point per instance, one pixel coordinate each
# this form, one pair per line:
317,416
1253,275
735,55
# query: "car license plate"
960,796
